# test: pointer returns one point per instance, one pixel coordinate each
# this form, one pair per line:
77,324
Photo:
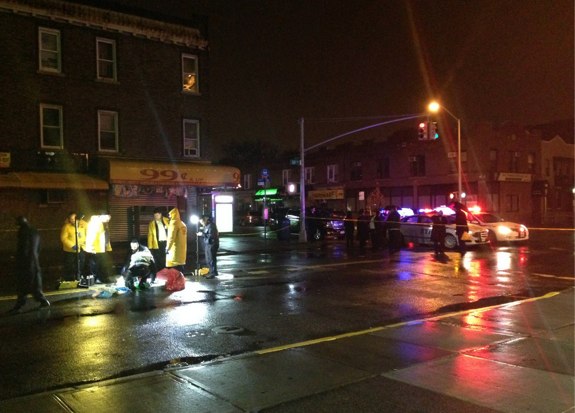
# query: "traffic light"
422,131
433,131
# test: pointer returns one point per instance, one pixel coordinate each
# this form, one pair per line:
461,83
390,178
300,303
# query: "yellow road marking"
400,324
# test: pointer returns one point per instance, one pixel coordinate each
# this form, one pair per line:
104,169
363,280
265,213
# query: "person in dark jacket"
438,231
461,227
363,229
349,228
28,265
393,230
211,244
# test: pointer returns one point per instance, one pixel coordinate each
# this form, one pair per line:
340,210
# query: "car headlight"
503,230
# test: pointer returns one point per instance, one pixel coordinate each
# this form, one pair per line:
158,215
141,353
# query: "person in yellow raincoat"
177,245
73,238
98,246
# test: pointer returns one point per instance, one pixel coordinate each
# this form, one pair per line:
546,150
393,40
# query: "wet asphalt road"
262,300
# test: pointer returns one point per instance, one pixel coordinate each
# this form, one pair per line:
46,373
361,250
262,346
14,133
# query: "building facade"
101,110
503,171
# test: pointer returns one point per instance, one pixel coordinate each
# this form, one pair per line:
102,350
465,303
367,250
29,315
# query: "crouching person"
139,266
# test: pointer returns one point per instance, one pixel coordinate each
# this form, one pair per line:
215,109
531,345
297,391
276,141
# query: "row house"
102,110
503,171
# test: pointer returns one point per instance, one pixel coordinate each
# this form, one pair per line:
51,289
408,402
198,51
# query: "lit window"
191,138
247,181
50,58
309,175
106,59
51,126
332,173
107,131
531,162
285,176
190,73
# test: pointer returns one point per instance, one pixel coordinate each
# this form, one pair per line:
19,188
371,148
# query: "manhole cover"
227,330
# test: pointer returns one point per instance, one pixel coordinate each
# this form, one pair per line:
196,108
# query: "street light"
303,150
434,107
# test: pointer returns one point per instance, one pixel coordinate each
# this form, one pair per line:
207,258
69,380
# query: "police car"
499,229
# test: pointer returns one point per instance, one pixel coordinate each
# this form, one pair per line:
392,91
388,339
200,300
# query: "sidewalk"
515,357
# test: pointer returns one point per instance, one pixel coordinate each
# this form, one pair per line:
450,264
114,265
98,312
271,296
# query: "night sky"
273,61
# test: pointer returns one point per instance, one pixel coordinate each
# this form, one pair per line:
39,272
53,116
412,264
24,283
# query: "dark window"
383,168
417,165
356,173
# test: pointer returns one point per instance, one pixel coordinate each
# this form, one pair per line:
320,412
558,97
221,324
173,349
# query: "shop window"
49,51
191,138
51,127
190,73
107,131
106,59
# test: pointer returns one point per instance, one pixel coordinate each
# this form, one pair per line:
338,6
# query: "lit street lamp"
434,107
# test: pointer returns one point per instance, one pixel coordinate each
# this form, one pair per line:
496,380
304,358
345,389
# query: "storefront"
46,198
138,187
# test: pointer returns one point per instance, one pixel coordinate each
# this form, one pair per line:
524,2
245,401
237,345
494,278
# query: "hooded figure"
177,245
73,239
28,265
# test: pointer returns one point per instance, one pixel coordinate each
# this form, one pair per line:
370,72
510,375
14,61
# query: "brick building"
101,110
503,170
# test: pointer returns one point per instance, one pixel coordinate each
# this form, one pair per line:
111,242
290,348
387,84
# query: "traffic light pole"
303,150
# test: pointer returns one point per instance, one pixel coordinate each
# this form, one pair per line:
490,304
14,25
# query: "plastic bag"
175,280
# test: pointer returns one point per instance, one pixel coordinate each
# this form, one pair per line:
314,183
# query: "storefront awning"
49,180
266,192
171,174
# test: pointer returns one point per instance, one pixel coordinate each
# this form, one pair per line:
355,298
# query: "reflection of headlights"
503,230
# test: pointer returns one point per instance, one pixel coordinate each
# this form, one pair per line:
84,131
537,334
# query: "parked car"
251,218
330,226
500,230
417,229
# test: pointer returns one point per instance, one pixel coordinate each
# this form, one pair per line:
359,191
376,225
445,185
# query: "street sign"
265,173
261,182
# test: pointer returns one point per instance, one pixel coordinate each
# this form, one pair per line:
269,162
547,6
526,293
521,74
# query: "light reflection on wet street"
264,299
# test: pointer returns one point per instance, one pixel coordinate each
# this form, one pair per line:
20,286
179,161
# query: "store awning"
266,192
270,195
49,180
166,173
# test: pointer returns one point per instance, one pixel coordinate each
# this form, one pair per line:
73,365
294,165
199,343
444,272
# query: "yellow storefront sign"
333,193
164,173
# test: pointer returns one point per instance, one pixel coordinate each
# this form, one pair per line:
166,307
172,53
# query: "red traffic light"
422,132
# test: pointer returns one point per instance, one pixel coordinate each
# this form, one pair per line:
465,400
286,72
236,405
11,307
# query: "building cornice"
107,20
